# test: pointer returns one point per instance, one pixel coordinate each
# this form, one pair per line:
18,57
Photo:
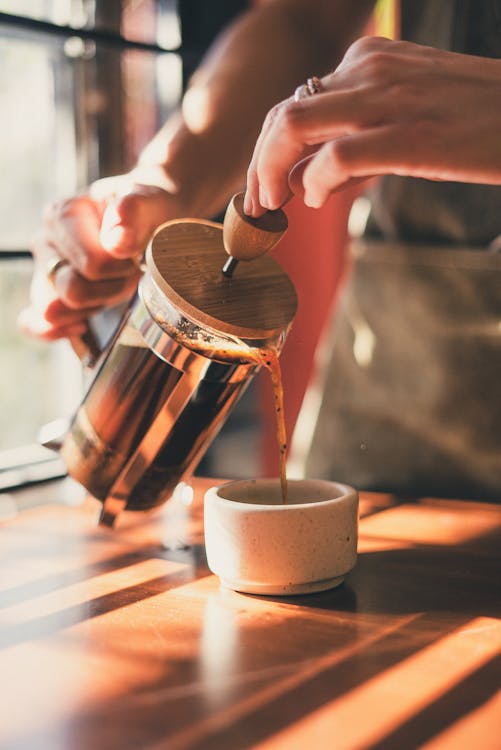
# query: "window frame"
27,465
31,463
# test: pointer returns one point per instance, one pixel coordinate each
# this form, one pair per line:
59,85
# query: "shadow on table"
396,604
363,632
425,579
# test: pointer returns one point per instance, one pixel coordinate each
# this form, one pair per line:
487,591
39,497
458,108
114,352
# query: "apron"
407,396
411,377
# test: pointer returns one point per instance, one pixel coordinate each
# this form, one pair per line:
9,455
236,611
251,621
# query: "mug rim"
345,489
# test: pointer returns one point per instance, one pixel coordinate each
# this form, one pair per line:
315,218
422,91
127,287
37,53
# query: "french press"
176,366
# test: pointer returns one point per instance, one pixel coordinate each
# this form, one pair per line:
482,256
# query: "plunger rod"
230,266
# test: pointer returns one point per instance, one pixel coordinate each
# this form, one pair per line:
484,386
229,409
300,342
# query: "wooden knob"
245,237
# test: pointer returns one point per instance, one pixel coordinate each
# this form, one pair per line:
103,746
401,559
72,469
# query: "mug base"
276,589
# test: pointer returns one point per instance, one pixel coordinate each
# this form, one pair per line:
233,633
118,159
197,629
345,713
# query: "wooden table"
123,639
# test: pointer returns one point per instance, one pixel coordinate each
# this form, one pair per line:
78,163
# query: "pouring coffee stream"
183,355
245,239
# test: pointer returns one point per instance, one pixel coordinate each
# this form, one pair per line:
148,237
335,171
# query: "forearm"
204,149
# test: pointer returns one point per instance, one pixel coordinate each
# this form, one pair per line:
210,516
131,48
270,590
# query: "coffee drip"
268,358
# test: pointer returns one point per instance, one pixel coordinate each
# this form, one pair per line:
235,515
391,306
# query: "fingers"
89,278
131,217
378,83
32,323
297,130
60,307
254,200
267,177
76,292
101,236
355,157
296,180
71,231
47,317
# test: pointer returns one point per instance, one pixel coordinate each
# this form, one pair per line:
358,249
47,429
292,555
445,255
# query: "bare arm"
193,165
205,149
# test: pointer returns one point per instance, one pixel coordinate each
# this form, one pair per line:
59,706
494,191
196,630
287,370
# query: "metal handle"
86,347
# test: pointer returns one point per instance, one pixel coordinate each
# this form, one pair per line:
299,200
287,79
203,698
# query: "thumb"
117,234
130,219
296,176
296,179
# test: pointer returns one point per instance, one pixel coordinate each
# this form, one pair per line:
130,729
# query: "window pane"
55,11
146,21
59,101
37,146
152,85
38,382
152,21
73,110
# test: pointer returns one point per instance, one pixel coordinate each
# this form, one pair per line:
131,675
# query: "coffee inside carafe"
182,358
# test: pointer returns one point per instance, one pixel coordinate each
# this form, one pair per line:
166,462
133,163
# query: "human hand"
389,108
100,236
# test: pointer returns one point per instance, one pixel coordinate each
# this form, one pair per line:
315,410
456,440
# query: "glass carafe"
176,366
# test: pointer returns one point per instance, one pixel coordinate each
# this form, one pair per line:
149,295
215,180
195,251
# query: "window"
84,85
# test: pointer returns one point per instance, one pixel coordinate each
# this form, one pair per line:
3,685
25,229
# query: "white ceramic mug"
258,545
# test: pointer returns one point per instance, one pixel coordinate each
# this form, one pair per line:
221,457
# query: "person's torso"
418,210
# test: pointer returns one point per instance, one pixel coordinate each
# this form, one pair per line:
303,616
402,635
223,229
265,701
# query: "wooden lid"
185,258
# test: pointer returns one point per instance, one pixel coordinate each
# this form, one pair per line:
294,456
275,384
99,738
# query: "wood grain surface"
123,639
246,238
186,258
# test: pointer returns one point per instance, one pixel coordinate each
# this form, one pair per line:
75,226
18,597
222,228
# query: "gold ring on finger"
53,266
